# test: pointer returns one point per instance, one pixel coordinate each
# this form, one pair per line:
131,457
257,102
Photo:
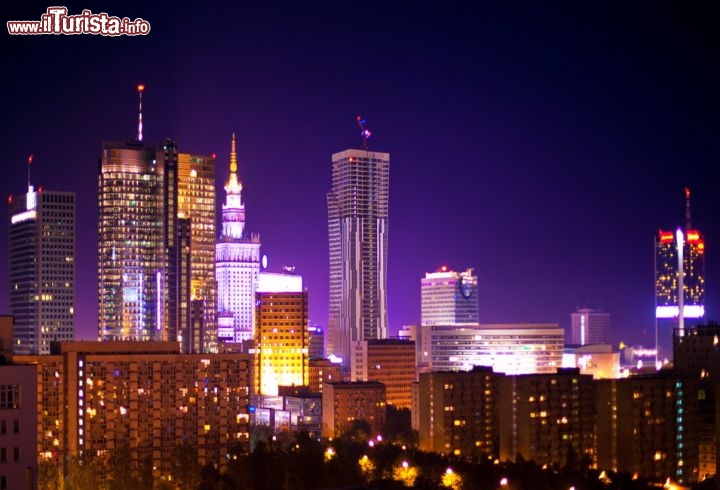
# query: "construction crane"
364,132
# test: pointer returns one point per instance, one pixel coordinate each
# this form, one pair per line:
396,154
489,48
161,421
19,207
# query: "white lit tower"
358,247
679,282
237,264
42,268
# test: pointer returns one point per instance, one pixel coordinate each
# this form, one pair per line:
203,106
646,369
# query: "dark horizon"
542,146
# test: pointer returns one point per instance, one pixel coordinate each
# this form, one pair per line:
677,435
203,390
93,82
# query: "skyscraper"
42,269
589,326
132,258
679,281
237,264
449,298
358,240
196,202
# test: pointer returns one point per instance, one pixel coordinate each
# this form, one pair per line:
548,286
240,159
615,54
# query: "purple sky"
543,147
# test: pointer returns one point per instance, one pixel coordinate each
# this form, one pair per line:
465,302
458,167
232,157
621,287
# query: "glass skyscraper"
358,239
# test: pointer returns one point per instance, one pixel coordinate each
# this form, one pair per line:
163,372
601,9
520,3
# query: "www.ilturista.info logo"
57,21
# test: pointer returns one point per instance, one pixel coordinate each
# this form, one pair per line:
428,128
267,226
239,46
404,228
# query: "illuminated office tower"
133,234
237,264
281,333
196,203
588,326
679,282
358,241
42,269
449,298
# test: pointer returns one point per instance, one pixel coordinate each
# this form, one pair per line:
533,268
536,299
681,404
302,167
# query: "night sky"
542,146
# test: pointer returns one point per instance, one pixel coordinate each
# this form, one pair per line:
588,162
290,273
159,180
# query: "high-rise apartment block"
679,281
589,326
237,264
281,333
99,397
346,402
18,426
42,269
387,361
358,240
449,298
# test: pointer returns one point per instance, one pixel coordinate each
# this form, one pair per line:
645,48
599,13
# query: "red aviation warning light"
666,236
141,88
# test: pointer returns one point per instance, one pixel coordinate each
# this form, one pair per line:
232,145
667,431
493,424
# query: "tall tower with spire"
679,282
237,264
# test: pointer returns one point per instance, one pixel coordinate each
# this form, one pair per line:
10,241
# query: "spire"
233,156
688,222
140,89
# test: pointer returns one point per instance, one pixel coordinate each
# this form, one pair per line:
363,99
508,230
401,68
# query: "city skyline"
543,148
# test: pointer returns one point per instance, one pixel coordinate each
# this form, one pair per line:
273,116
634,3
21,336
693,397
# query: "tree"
185,468
82,473
48,476
120,469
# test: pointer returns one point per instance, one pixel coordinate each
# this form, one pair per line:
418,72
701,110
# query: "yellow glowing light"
451,479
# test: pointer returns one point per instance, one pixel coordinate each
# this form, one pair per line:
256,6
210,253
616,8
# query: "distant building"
358,244
449,298
42,268
281,333
597,360
507,348
388,361
649,425
18,426
237,265
548,418
96,397
317,342
670,274
589,326
456,412
323,371
344,403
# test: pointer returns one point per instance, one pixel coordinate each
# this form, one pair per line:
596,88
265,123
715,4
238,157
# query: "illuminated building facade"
97,397
18,426
42,269
358,241
323,371
457,412
237,265
649,426
317,342
281,333
679,266
132,256
345,402
196,203
589,326
387,361
507,348
547,418
449,298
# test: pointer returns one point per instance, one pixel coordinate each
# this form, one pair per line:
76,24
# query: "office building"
196,203
524,348
449,298
548,418
323,371
98,397
679,282
281,333
42,268
345,403
387,361
649,425
457,412
589,326
358,241
317,342
237,264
